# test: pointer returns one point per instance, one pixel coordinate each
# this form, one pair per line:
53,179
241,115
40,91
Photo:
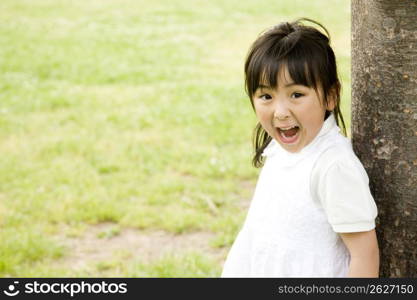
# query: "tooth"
288,127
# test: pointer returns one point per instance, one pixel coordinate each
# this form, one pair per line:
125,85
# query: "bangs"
301,59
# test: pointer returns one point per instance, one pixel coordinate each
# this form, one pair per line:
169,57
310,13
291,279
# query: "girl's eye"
265,97
296,95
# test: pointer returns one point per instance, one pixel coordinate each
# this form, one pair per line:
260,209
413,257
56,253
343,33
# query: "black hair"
310,60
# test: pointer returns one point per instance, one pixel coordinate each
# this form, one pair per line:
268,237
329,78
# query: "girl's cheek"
264,121
259,113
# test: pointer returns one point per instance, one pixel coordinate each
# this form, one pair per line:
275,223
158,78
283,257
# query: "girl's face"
292,114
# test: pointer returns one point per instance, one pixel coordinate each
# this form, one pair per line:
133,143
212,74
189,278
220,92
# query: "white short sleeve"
345,196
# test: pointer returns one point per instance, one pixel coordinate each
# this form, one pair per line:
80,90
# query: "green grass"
172,265
132,112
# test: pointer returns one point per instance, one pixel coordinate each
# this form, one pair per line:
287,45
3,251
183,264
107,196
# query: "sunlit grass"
177,265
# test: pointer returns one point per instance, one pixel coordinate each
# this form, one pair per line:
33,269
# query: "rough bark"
384,123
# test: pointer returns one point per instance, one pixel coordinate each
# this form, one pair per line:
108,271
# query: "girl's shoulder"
337,147
338,154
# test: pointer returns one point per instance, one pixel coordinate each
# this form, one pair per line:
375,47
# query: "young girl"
312,214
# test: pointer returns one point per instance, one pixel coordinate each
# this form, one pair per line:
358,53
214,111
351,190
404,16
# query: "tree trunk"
384,119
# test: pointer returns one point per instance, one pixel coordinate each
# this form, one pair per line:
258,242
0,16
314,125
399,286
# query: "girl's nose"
281,112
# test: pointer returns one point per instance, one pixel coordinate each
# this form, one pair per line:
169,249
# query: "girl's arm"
364,253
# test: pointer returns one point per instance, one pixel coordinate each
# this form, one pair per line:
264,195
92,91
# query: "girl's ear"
331,100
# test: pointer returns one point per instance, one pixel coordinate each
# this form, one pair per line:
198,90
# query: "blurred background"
125,131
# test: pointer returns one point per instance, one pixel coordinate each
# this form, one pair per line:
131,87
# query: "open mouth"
288,135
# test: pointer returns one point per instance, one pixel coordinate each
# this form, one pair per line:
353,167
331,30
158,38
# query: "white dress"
301,201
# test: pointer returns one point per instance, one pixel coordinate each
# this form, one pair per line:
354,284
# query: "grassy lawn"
133,114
